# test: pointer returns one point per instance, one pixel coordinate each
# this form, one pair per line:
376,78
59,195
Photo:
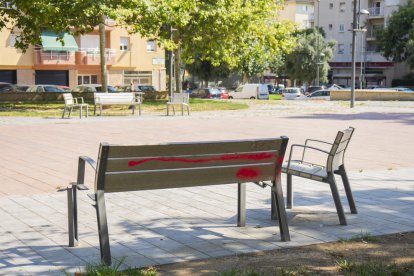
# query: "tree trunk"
104,80
177,69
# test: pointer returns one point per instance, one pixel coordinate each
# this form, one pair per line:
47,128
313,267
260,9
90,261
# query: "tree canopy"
301,63
396,40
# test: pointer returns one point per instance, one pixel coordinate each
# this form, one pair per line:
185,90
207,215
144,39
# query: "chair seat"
306,170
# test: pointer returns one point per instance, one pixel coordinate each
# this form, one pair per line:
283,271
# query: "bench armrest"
305,147
319,141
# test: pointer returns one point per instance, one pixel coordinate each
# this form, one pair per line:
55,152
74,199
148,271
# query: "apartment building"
129,58
299,11
336,17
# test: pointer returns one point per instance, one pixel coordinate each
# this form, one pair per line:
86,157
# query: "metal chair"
323,172
71,102
179,99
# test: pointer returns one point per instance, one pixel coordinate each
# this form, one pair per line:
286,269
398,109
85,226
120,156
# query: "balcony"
53,57
376,12
91,56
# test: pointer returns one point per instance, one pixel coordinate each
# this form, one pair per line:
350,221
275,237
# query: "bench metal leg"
64,110
289,191
273,207
102,228
94,110
173,106
182,109
348,190
337,199
87,111
279,206
72,216
80,112
188,110
241,205
139,109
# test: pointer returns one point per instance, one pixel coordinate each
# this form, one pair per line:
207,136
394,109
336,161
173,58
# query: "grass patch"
361,237
55,109
275,97
114,270
374,268
278,272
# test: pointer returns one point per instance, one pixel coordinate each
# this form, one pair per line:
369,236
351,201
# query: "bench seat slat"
187,178
189,161
204,148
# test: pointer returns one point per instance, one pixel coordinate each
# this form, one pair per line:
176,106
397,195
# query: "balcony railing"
53,57
91,56
376,11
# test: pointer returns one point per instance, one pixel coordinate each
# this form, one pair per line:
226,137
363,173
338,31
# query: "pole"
354,27
361,62
317,48
171,66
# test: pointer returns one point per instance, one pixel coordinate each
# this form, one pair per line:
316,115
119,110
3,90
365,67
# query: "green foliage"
301,63
114,270
396,40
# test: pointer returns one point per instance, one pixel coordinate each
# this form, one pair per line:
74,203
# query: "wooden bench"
148,167
132,99
71,102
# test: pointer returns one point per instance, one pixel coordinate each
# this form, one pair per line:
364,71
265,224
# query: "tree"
301,63
221,31
31,17
396,40
206,71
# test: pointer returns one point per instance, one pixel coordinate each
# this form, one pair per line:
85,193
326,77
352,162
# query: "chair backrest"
68,98
339,146
147,167
114,98
180,98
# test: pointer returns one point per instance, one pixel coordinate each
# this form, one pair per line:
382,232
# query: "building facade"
336,18
129,58
299,11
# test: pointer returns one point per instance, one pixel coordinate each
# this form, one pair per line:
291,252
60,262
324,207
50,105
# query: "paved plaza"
39,157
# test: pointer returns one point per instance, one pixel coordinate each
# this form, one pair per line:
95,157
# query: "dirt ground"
321,259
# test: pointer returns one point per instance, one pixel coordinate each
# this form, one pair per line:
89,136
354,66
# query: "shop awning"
50,42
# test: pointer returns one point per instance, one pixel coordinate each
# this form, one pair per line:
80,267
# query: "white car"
320,95
251,91
291,93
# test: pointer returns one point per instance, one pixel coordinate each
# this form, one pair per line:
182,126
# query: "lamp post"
355,29
317,48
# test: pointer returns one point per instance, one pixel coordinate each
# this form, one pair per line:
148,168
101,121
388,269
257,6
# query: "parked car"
7,87
402,89
144,88
65,88
92,88
22,87
206,93
250,91
45,88
335,87
320,95
291,93
311,89
223,92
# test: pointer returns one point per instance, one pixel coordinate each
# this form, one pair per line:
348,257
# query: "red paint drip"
256,157
247,173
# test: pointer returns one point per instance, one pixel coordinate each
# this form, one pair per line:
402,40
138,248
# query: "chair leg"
182,110
279,206
80,112
173,109
348,190
337,199
241,205
70,111
289,191
102,227
139,109
63,114
188,110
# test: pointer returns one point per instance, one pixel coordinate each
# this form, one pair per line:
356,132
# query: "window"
124,44
151,46
341,48
330,6
330,27
341,28
87,79
342,7
137,77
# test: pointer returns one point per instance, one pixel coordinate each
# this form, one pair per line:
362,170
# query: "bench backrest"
180,98
131,168
113,98
68,98
339,146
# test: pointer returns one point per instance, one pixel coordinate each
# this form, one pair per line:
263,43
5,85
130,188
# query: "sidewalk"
40,155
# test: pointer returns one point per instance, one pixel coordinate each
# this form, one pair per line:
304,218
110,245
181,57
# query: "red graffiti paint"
255,156
247,173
